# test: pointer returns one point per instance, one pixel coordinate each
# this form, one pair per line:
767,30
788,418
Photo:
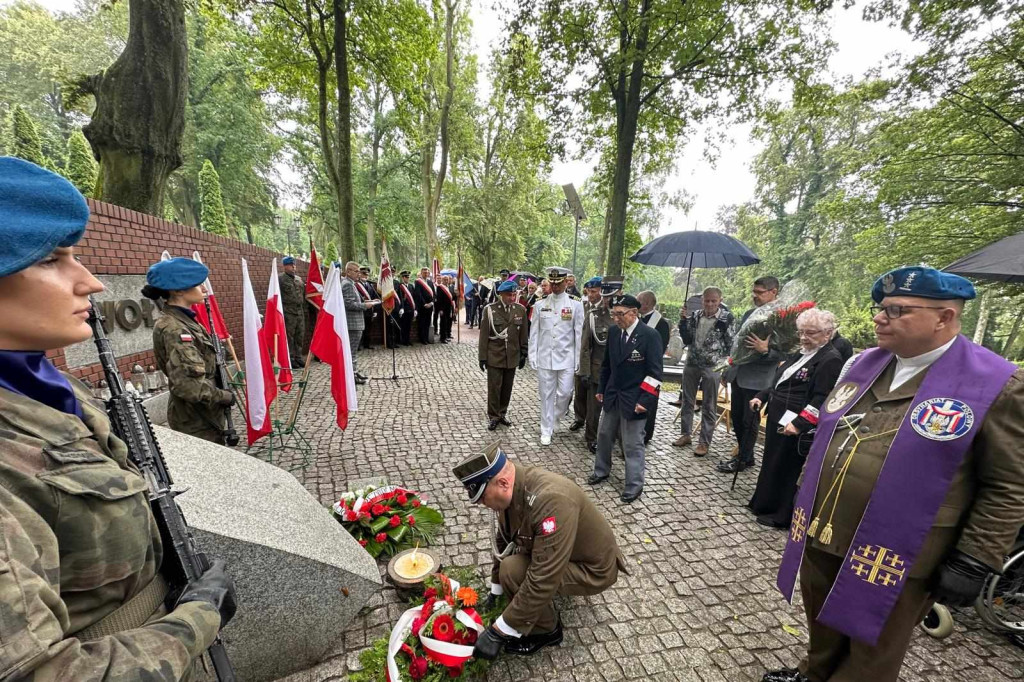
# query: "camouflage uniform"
184,351
293,300
79,541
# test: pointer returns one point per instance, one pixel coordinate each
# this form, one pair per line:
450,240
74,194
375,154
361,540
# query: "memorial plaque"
129,320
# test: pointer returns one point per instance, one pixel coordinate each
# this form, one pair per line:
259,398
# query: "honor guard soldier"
555,335
184,350
550,540
592,296
592,349
293,301
912,489
80,542
502,349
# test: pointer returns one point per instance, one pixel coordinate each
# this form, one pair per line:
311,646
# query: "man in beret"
628,388
876,545
551,540
592,297
502,348
293,301
593,347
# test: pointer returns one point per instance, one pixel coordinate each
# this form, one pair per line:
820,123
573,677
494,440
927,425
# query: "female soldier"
184,350
77,538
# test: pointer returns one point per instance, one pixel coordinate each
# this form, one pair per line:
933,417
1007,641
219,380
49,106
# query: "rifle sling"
134,613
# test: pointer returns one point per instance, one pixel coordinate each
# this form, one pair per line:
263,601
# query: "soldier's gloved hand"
489,644
214,587
522,363
226,399
483,365
959,581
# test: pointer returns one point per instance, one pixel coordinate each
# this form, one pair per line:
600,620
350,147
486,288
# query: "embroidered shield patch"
942,418
548,526
843,394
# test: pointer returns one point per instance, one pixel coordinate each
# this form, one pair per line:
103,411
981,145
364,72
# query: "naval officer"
876,545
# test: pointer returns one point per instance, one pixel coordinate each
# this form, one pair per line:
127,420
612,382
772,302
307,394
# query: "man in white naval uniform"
556,332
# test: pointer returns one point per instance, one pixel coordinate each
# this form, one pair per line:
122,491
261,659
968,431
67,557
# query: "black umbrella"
695,249
1002,261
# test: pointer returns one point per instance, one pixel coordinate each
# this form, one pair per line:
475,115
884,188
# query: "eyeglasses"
759,292
894,311
808,332
623,313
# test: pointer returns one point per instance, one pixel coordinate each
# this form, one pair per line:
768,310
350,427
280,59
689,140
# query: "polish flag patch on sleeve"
186,338
651,385
810,413
548,526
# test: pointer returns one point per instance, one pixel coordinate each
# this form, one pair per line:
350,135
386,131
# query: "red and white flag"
275,333
200,309
314,279
260,387
386,281
330,344
436,273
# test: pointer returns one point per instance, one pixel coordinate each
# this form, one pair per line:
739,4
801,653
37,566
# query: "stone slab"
156,407
124,291
300,577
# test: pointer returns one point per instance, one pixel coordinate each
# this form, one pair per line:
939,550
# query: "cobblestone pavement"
700,603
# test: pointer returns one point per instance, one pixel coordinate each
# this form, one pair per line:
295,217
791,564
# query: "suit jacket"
423,294
445,302
626,368
354,307
755,375
806,389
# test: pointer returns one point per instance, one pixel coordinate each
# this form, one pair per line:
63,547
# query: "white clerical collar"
908,368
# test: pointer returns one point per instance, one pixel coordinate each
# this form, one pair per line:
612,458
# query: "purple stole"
932,441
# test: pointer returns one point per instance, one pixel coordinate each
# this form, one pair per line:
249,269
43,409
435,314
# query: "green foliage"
332,253
82,166
212,217
26,143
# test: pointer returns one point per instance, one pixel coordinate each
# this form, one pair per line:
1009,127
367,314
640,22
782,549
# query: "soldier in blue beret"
580,404
80,540
502,349
185,352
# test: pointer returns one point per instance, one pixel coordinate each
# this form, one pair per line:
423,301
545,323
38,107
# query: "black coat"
805,391
843,346
662,328
624,370
423,295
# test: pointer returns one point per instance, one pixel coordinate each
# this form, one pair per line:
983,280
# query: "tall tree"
212,219
81,169
25,136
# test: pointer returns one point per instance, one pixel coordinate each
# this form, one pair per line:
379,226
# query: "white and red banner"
260,386
330,343
275,333
200,309
314,279
651,385
386,281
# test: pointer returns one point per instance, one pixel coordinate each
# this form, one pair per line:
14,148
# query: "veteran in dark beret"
79,539
550,540
911,493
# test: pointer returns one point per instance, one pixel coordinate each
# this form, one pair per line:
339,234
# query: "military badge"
942,418
566,313
548,526
186,338
888,284
843,394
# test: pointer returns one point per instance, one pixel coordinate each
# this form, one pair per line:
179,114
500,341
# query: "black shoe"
595,479
629,499
577,425
360,381
493,425
785,675
769,521
531,644
505,422
592,447
676,403
732,466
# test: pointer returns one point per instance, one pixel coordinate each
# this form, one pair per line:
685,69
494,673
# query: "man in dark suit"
628,388
368,292
403,291
650,316
445,306
425,294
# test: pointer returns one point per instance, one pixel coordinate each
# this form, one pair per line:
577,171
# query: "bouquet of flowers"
777,324
388,519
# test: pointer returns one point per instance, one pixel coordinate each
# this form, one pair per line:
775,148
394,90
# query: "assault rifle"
183,562
230,435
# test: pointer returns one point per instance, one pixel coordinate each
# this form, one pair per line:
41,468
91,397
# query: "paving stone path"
700,603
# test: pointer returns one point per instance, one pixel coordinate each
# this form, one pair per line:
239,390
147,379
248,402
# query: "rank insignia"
942,418
548,526
842,395
186,338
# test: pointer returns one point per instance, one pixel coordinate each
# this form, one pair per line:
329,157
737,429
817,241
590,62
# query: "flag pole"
458,298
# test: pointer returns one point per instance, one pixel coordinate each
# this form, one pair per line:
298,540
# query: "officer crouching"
550,540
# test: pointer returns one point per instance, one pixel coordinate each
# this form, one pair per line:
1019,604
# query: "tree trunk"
426,189
137,128
1012,337
346,221
376,138
446,108
983,317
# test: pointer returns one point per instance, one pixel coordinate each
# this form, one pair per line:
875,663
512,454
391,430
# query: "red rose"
411,520
377,509
363,543
350,515
418,668
430,593
415,503
455,671
396,521
444,628
381,538
364,515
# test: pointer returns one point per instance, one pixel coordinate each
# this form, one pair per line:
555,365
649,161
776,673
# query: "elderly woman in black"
801,384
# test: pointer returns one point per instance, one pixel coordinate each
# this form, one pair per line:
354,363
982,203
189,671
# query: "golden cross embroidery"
877,565
799,525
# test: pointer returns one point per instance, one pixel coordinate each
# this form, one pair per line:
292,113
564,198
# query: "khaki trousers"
499,390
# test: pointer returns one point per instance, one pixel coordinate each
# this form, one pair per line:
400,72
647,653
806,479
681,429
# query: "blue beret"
287,260
593,282
177,274
507,285
922,282
39,211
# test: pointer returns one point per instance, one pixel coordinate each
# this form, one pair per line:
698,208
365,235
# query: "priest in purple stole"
912,491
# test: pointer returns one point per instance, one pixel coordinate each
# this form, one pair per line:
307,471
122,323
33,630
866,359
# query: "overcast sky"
861,46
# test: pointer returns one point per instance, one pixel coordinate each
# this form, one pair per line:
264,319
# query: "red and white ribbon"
651,385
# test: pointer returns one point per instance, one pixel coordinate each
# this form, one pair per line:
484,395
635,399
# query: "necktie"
625,337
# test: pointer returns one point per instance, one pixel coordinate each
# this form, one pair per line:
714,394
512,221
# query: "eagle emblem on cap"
888,284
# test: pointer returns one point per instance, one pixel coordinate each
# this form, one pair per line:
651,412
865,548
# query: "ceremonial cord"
826,533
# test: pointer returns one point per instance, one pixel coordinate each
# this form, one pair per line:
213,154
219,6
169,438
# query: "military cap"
477,470
609,285
507,285
922,282
504,271
177,274
287,260
404,273
557,274
39,211
593,283
627,300
364,269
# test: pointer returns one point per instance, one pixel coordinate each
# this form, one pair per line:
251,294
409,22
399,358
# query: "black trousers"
424,324
780,469
405,324
446,325
370,320
745,422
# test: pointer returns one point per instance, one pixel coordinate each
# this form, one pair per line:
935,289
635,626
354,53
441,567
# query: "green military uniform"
79,541
503,338
185,353
560,544
293,300
579,396
592,350
976,521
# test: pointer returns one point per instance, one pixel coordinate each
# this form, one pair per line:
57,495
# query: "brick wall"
122,242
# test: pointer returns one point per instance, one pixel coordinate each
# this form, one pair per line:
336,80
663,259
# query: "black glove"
522,362
489,603
214,587
483,365
489,644
959,581
227,399
583,380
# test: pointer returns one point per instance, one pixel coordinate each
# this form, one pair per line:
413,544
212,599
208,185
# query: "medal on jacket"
566,313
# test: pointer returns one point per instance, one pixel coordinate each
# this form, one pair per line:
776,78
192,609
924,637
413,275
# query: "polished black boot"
531,644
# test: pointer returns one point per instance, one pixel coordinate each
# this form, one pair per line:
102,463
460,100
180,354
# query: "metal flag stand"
285,436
